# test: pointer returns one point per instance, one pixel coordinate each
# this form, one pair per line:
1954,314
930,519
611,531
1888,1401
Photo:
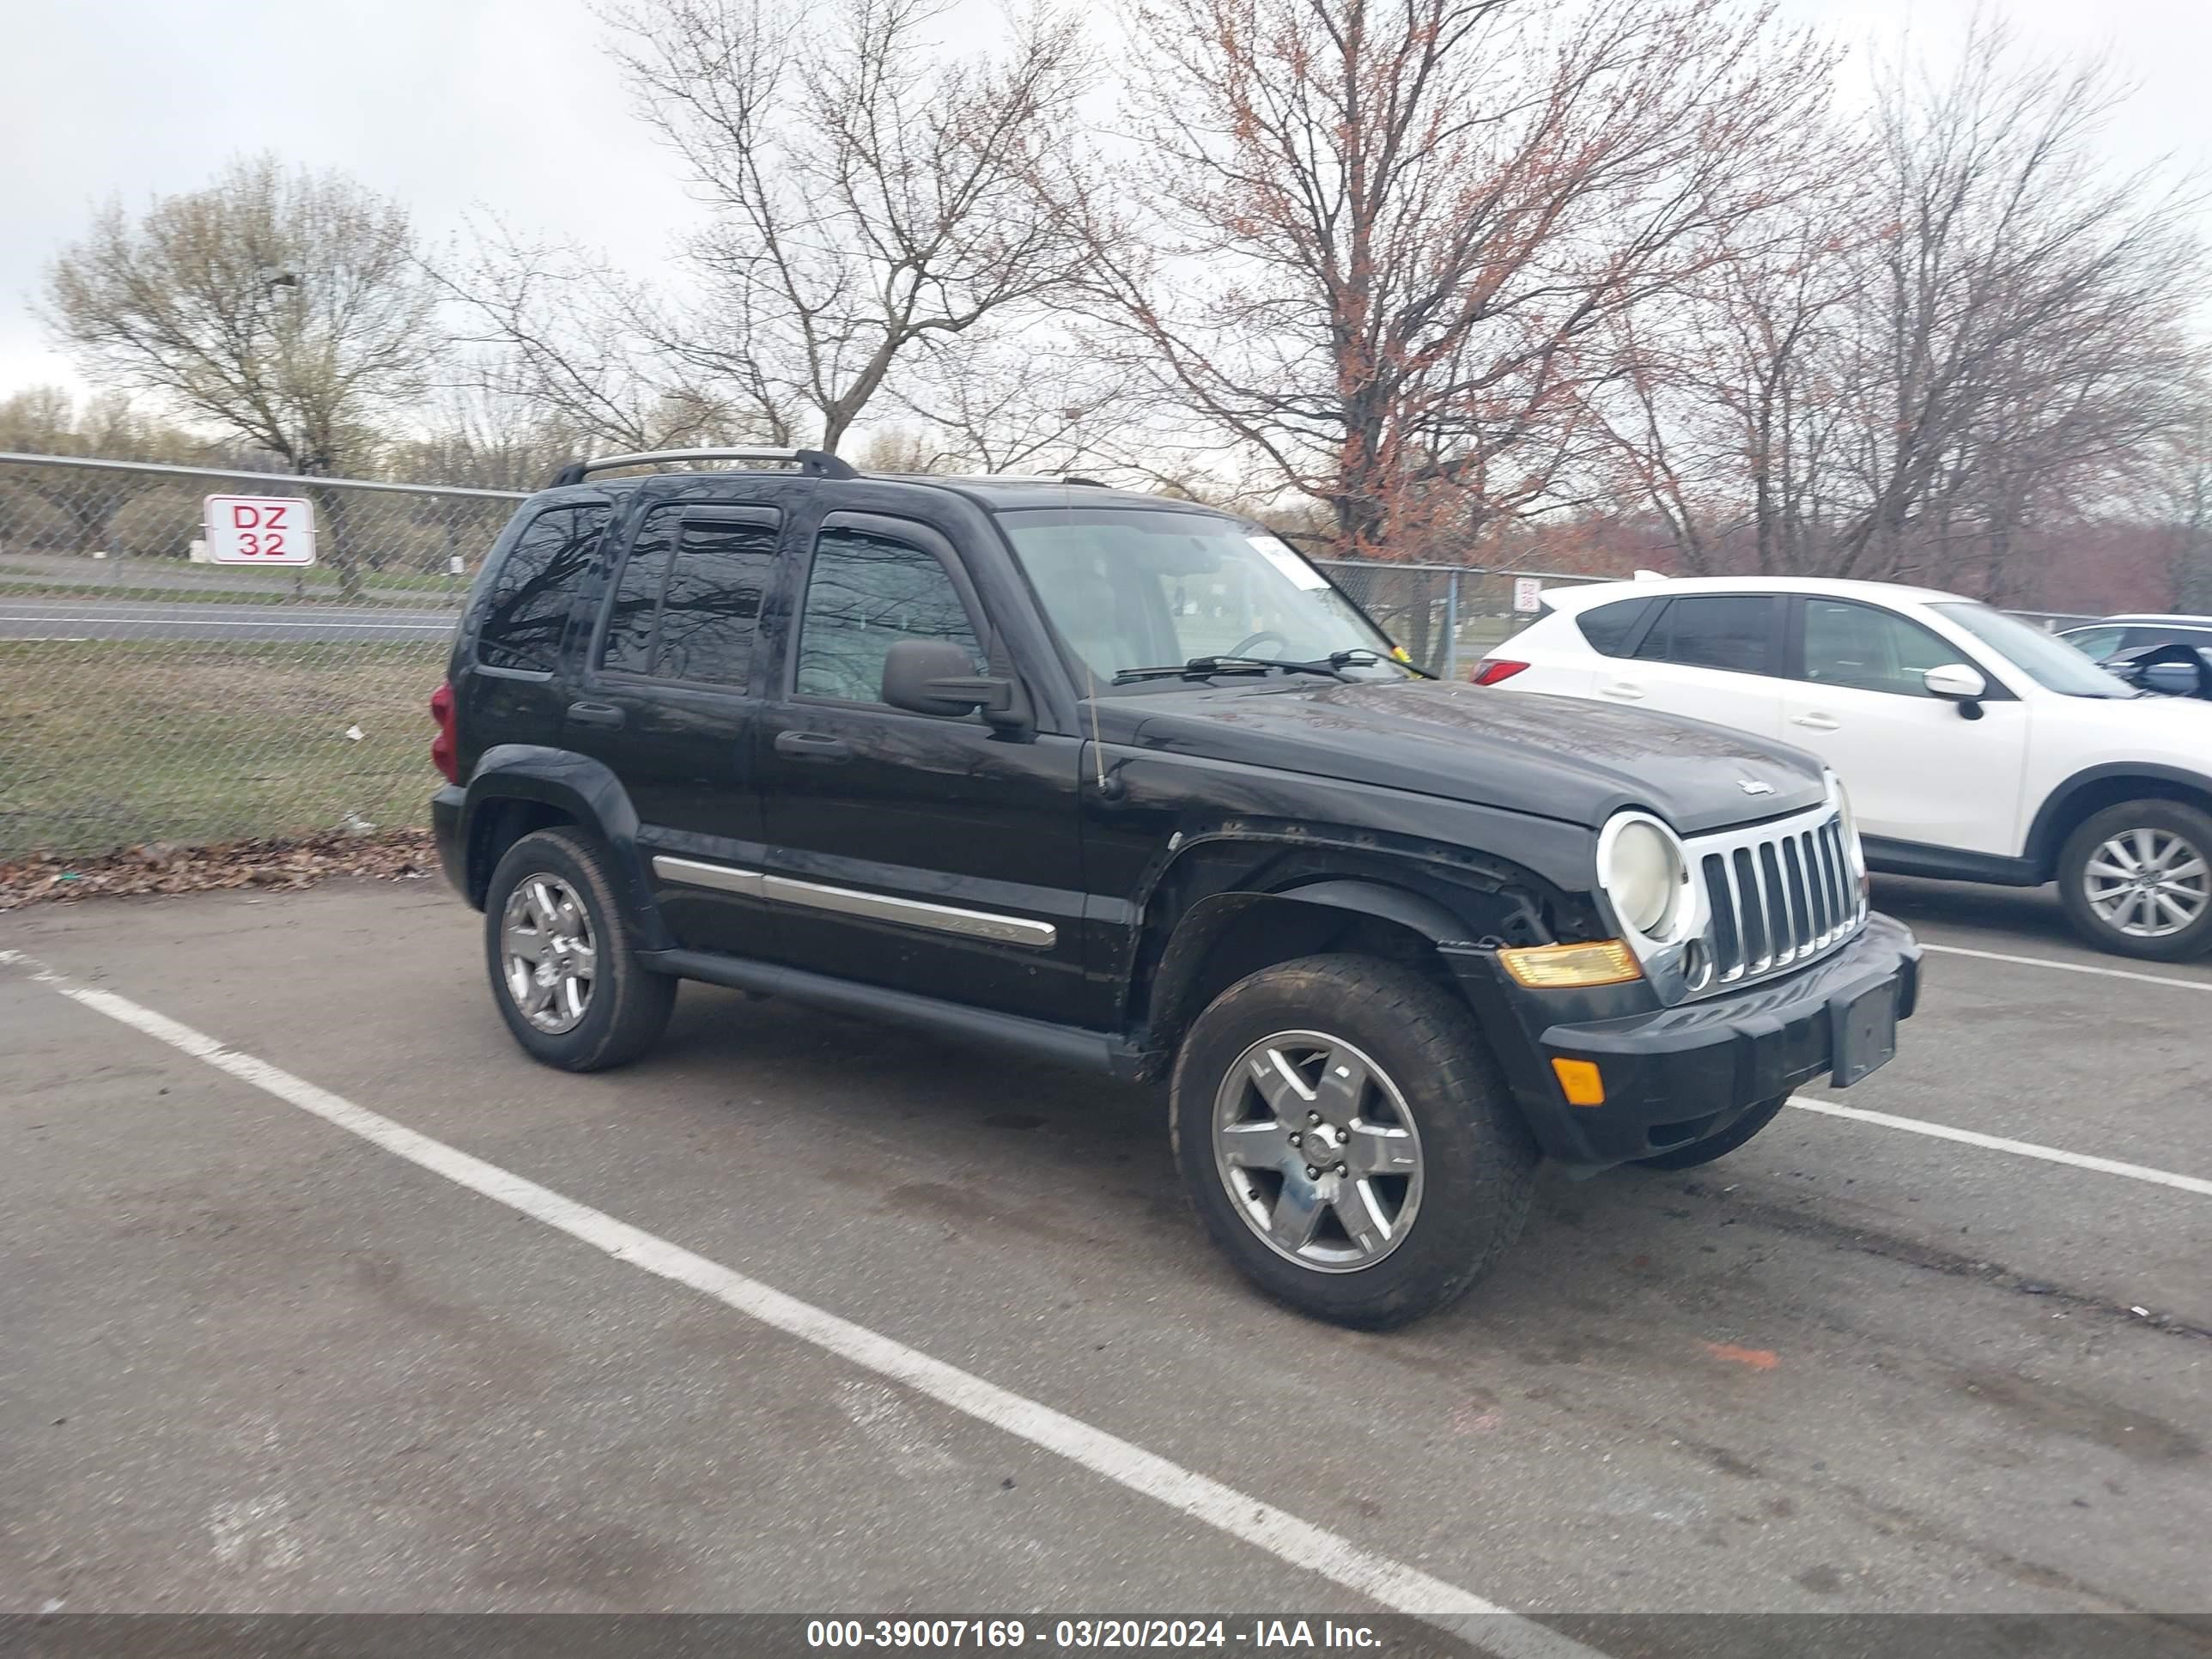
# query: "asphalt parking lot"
264,1350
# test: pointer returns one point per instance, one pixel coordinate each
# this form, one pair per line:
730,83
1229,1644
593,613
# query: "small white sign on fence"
1528,594
260,530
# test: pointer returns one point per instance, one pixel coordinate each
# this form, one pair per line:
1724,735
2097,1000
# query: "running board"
1036,1039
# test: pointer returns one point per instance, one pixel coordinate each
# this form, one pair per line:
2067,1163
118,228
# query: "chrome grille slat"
1778,895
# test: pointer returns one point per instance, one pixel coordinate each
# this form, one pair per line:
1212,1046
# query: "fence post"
1451,627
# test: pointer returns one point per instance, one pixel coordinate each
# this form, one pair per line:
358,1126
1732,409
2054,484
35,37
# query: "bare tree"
1983,336
1376,243
868,197
287,309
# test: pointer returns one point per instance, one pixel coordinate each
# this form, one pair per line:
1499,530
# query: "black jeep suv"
1125,783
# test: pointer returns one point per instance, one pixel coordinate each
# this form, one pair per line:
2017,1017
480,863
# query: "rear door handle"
1815,722
1623,690
812,745
595,714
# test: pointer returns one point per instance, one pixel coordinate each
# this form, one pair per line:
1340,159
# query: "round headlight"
1642,873
1849,825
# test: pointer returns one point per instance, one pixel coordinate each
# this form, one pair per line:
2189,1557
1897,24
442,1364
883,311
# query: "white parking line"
1396,1586
1999,1143
2070,967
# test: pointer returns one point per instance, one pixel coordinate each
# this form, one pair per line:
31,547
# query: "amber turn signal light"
1558,967
1580,1082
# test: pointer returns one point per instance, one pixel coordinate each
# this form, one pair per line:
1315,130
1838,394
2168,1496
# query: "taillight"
1491,669
443,754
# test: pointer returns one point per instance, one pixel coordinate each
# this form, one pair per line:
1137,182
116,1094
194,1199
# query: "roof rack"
1033,477
813,463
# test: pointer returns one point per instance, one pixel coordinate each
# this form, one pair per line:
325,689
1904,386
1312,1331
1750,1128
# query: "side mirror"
936,676
2173,679
1956,682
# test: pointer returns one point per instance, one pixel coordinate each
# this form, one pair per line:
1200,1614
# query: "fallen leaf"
1760,1359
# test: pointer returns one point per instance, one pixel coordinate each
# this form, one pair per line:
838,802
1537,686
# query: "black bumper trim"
1674,1076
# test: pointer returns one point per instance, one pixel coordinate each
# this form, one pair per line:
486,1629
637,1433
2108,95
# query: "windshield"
1131,588
2050,663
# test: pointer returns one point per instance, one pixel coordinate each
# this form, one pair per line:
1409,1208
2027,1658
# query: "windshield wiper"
1200,668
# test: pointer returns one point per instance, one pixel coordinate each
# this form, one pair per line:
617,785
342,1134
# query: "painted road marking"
1396,1586
2070,967
1999,1143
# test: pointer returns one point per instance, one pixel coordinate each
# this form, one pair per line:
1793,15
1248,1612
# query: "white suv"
1976,747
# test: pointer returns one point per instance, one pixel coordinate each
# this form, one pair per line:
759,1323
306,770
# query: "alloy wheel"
549,958
2148,883
1318,1150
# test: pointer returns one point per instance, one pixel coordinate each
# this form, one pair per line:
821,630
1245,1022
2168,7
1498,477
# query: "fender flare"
579,788
1205,922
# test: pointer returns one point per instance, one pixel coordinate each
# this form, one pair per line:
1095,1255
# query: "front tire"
563,969
1346,1141
2136,880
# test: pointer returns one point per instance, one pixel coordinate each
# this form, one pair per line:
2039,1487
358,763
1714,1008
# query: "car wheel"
2136,880
1347,1142
563,971
1720,1145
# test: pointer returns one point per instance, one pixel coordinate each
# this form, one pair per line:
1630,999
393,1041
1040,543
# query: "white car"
1976,747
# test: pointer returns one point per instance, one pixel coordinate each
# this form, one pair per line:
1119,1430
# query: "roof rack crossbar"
811,462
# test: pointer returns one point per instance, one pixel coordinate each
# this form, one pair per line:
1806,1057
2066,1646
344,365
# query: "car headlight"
1849,825
1640,866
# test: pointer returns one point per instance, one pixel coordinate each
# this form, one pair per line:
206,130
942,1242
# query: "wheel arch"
1225,936
2095,788
519,788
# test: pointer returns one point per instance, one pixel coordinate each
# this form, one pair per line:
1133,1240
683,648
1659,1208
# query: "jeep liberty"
1125,783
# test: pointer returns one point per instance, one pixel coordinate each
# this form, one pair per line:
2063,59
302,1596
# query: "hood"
1554,757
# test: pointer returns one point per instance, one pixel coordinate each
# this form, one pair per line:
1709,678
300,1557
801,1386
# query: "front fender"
569,786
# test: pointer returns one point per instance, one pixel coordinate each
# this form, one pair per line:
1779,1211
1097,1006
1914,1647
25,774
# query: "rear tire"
1421,1169
563,969
2137,868
1705,1152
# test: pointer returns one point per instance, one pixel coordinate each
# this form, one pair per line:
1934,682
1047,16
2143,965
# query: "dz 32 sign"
260,530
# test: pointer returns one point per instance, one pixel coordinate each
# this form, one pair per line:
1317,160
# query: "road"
301,1323
78,619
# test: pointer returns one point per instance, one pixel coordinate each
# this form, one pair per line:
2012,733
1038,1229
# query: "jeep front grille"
1778,894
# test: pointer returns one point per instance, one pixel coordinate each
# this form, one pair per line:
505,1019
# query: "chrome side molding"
848,901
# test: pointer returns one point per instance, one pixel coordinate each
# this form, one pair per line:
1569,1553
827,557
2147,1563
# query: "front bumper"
1675,1076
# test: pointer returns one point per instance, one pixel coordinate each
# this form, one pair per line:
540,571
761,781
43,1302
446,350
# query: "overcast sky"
509,106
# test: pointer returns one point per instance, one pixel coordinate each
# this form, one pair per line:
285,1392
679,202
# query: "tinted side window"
1608,628
2097,643
1715,630
864,593
627,645
527,605
1870,649
712,606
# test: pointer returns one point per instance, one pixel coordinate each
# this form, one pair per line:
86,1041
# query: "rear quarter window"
1608,628
527,605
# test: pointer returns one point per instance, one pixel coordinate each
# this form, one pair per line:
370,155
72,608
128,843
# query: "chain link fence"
1447,616
149,697
146,696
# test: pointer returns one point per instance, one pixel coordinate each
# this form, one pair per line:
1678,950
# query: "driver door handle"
1815,722
812,745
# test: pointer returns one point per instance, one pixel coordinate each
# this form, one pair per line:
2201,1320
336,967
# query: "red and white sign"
260,530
